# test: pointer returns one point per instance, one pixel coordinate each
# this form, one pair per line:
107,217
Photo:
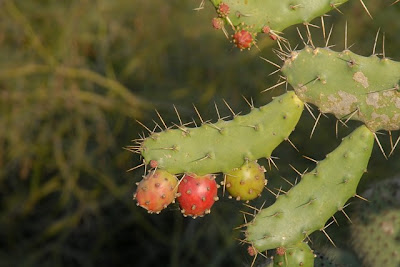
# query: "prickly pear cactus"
270,16
224,145
316,198
347,85
376,228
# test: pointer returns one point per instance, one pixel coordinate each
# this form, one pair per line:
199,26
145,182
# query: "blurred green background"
74,76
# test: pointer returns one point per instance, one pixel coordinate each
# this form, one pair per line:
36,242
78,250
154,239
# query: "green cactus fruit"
156,191
376,225
224,145
271,16
347,85
308,205
246,182
294,255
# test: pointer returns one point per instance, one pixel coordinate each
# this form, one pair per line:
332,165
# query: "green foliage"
73,75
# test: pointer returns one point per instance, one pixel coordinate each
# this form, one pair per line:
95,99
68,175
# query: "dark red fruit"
223,10
197,194
243,39
156,191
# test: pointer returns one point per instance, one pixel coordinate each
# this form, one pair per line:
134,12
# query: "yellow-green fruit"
246,182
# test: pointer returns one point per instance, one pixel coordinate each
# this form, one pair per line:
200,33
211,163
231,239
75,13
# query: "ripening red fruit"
196,194
246,182
243,39
156,191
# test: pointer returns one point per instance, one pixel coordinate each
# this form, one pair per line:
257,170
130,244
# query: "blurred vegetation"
74,76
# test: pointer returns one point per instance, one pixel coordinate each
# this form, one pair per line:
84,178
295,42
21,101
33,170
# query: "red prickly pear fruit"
223,10
156,191
196,194
246,182
217,23
243,39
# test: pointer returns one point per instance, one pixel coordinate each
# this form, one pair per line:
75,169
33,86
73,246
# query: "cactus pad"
272,14
376,228
347,85
309,204
224,145
295,255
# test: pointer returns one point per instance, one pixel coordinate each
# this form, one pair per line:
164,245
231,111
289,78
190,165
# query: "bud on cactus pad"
246,182
156,191
217,23
243,39
196,194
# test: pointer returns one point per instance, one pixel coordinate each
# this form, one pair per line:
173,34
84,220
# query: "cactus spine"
308,205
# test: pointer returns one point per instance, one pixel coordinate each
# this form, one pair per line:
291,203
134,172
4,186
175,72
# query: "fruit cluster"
197,194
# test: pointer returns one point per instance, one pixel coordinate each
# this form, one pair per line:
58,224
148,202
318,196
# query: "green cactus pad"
295,255
376,228
320,193
347,85
277,15
224,145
